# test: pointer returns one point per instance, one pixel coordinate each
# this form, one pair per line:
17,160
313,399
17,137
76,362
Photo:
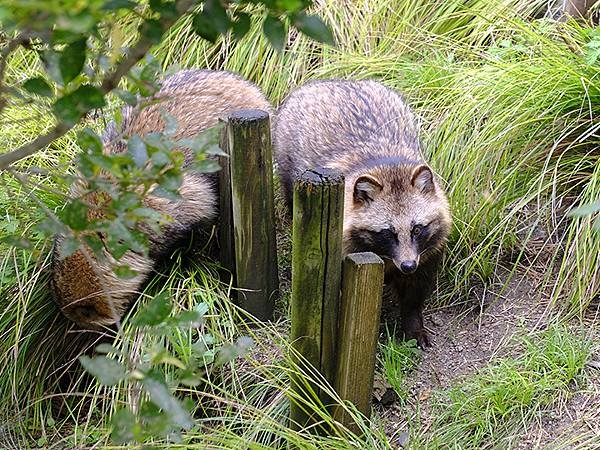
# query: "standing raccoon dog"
197,99
394,204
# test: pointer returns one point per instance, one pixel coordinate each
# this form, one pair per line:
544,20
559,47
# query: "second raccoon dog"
197,99
394,204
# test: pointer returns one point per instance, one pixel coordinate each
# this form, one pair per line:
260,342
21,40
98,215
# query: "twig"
110,82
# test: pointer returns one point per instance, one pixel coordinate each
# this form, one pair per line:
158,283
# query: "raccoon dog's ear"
366,189
422,179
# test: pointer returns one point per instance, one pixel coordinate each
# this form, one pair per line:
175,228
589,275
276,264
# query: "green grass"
508,109
493,407
398,360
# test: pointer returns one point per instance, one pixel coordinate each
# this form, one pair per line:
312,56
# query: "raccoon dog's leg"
401,295
412,291
411,298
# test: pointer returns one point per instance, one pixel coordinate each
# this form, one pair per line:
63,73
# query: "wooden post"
249,143
316,275
360,307
226,244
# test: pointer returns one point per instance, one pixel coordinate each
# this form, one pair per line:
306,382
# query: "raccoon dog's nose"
408,266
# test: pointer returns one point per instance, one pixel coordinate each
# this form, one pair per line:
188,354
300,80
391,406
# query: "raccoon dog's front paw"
413,328
421,336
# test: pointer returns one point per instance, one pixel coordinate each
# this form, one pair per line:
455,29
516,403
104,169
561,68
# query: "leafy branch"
110,82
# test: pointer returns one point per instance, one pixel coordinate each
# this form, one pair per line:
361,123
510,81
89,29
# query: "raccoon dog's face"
398,212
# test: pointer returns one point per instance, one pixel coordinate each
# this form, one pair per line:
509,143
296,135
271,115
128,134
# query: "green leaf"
124,272
112,5
38,86
585,210
137,149
89,97
229,352
204,27
75,215
241,25
50,227
50,59
156,423
275,31
215,150
218,16
151,70
187,319
68,246
107,348
292,5
206,166
126,96
17,241
171,124
96,244
171,180
72,106
155,312
161,397
71,60
313,27
159,142
107,371
88,140
166,9
68,110
118,238
124,427
152,30
202,308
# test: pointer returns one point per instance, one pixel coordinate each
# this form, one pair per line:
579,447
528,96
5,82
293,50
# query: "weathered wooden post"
316,275
226,244
252,203
360,307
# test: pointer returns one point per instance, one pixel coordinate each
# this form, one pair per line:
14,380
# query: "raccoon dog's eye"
417,230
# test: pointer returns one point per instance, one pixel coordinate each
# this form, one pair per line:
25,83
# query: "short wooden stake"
249,143
316,275
360,307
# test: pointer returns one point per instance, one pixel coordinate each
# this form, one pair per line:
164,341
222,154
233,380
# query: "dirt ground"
466,339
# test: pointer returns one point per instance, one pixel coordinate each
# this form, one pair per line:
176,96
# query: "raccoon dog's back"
343,124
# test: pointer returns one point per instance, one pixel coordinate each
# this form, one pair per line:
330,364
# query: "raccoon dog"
86,289
394,204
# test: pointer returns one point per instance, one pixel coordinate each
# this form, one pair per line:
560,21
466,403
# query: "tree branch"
110,82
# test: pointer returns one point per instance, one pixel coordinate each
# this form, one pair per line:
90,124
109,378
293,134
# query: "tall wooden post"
360,307
226,244
316,274
249,143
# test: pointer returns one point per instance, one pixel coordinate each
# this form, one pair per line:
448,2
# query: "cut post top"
363,258
319,176
247,116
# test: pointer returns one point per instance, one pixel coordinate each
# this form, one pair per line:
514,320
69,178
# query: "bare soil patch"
468,337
